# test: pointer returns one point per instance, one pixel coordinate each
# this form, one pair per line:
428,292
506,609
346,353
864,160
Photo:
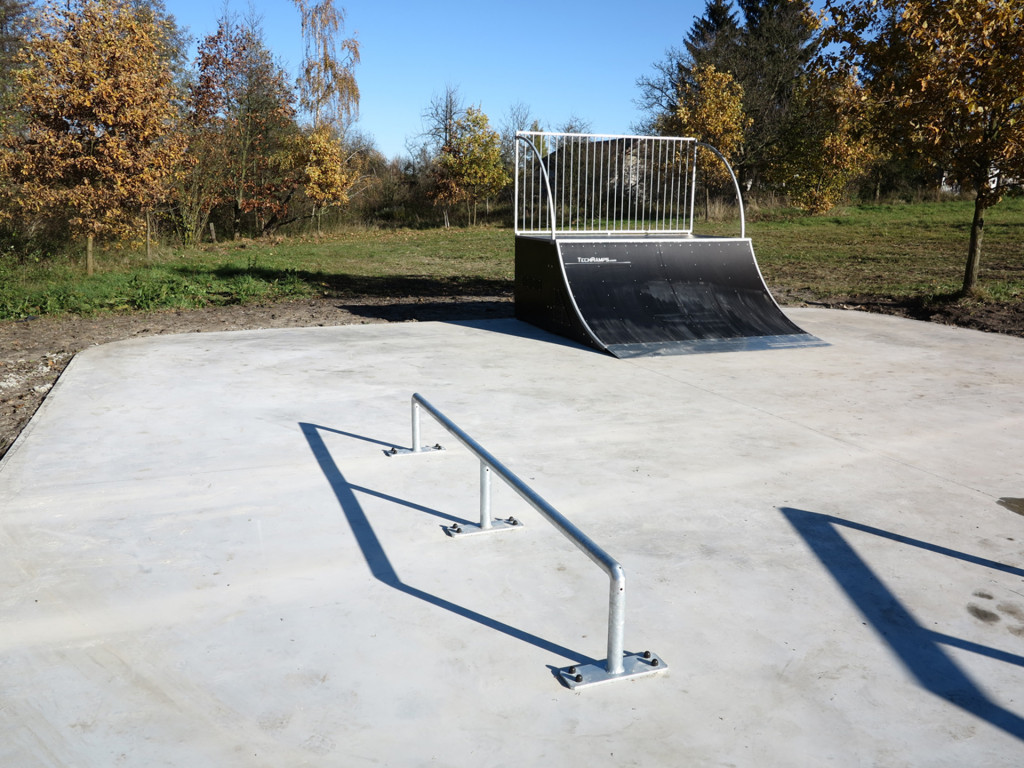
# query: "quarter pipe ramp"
635,296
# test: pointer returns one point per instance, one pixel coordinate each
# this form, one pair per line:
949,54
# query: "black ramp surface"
636,297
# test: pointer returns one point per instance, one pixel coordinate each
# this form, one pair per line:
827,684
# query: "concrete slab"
208,560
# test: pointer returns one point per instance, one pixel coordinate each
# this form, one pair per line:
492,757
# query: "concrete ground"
208,560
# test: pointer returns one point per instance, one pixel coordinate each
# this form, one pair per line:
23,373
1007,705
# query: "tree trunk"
974,249
149,240
89,264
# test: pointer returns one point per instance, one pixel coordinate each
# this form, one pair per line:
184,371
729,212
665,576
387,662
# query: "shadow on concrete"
453,310
377,559
522,330
919,649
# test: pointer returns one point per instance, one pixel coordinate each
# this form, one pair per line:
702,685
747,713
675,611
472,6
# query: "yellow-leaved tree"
946,78
97,99
329,94
470,168
711,110
827,145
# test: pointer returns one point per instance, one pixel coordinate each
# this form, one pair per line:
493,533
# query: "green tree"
778,41
948,78
714,39
97,143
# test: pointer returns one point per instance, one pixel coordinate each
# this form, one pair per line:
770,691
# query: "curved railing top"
608,184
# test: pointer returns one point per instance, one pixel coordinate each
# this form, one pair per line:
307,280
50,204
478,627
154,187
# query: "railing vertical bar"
683,161
530,180
575,158
485,496
588,196
415,427
656,203
602,180
683,181
693,190
673,156
621,157
616,624
648,189
591,150
515,188
567,194
684,185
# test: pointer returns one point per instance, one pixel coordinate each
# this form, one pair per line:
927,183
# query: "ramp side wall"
541,293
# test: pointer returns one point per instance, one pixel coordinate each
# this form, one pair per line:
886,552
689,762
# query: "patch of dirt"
966,313
34,352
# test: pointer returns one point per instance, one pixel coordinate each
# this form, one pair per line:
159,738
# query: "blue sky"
560,59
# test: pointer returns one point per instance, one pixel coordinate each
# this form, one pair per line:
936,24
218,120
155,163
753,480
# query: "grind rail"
618,665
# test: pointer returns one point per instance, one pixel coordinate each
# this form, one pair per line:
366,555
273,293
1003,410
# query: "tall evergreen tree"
778,41
714,38
766,49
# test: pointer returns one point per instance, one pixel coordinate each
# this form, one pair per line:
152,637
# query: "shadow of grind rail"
373,551
618,665
917,647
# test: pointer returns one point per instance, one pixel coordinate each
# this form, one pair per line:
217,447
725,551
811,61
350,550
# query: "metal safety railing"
607,184
618,664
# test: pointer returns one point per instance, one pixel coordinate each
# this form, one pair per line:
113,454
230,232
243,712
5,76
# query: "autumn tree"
330,170
246,149
946,77
264,149
97,97
470,168
327,86
827,146
711,110
329,95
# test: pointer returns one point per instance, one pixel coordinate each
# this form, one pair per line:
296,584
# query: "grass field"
867,252
894,251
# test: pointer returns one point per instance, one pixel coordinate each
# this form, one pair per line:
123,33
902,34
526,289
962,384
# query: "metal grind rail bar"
618,665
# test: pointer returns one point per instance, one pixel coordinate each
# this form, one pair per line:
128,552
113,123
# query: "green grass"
892,251
356,263
867,252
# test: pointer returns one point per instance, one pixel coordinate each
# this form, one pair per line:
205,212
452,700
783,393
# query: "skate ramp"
640,296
